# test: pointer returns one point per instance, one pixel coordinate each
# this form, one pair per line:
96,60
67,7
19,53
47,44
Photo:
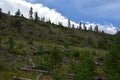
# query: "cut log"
50,73
20,78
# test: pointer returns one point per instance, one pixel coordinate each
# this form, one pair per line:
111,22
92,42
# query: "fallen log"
20,78
50,73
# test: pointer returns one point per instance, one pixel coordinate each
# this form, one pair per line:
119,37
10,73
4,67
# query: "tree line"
34,16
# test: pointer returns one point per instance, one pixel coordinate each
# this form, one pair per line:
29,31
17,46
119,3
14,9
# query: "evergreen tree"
96,28
73,26
90,28
22,15
103,31
49,21
18,13
36,16
60,24
31,13
85,28
80,25
0,12
69,24
42,19
9,13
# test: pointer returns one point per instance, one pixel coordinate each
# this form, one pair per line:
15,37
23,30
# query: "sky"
105,14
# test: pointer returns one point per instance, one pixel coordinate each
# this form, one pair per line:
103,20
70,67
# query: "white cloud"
51,14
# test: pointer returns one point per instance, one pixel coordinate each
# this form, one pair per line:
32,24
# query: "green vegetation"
36,44
112,65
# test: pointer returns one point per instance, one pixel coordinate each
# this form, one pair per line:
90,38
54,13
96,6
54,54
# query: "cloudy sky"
106,14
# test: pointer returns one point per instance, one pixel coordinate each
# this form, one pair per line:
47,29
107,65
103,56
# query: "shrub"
56,56
112,62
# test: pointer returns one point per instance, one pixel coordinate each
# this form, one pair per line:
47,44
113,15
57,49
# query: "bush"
112,62
56,56
84,68
43,62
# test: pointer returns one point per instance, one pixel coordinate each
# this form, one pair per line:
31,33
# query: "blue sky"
95,11
105,14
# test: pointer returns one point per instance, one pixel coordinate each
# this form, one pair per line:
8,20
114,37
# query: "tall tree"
69,24
60,23
0,12
84,26
90,28
80,25
18,13
73,26
31,13
9,13
36,16
96,28
42,19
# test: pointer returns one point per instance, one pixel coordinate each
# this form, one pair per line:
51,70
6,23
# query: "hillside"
45,32
26,43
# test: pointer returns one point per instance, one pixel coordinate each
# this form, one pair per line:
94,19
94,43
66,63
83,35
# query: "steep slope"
20,28
66,53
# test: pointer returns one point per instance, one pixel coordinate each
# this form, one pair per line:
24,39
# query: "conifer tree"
80,25
9,13
85,28
36,16
90,28
60,24
69,24
42,19
73,26
0,12
18,13
31,13
96,28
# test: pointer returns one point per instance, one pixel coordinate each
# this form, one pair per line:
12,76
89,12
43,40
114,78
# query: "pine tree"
31,13
85,28
18,13
60,24
22,15
42,19
9,13
90,28
73,26
96,28
80,25
36,16
0,12
69,24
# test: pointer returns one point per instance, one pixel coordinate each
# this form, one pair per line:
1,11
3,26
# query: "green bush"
112,62
56,56
84,67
